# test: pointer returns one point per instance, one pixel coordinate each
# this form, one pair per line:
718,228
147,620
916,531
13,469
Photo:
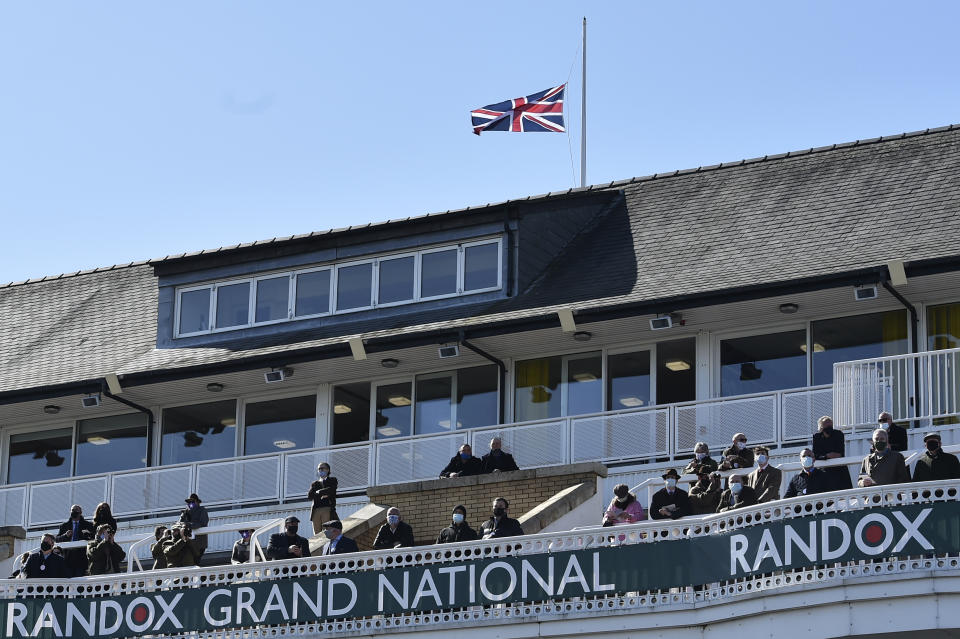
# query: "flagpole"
583,111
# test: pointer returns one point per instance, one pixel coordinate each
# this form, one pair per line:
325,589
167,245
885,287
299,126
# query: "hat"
335,523
935,436
291,520
192,497
671,473
738,436
460,507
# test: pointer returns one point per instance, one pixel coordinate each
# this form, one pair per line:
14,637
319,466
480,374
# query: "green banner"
932,528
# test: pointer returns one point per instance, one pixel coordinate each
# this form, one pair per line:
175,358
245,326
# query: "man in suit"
810,480
670,502
764,479
76,529
737,495
288,544
45,564
338,544
498,460
323,494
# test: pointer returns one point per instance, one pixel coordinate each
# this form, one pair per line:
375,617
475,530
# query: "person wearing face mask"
624,508
828,443
810,480
44,564
463,464
500,524
737,495
705,494
896,435
196,516
104,555
177,549
288,544
241,548
156,548
498,460
701,458
935,463
764,479
76,529
459,530
323,493
737,455
882,466
395,533
102,515
337,544
670,502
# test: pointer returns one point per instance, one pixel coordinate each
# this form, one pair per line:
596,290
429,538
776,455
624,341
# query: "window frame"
336,286
250,304
416,279
463,266
253,302
457,288
179,308
294,285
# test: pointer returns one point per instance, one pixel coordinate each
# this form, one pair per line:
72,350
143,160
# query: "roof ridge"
63,276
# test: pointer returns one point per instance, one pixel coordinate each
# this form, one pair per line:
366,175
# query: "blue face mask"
465,456
393,520
322,474
191,505
736,487
457,518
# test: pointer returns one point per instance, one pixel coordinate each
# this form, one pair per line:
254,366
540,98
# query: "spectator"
196,515
76,529
394,533
810,480
828,444
500,524
670,502
896,435
497,460
737,455
705,494
737,495
323,492
463,464
20,571
935,463
104,555
160,534
178,549
102,515
701,457
624,508
459,530
338,544
883,466
764,479
241,548
43,564
288,544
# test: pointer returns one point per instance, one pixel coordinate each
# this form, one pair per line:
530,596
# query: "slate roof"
793,216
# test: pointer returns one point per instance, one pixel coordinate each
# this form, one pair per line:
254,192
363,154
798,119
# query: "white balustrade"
239,481
350,464
151,490
716,421
532,445
413,458
800,409
49,502
621,435
12,505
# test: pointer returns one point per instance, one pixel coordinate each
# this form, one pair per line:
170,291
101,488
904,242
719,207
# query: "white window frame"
463,267
416,279
250,302
256,287
293,298
336,286
179,307
458,276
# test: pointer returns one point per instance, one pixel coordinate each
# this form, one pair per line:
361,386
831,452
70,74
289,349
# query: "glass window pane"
281,424
477,396
433,411
354,285
272,297
199,432
351,413
438,273
480,266
584,384
233,305
537,394
195,311
859,337
393,410
676,371
39,456
943,327
107,444
628,383
763,363
396,280
313,293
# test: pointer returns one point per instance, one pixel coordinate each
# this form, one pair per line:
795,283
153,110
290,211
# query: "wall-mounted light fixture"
389,362
51,409
582,336
863,293
789,308
214,387
90,401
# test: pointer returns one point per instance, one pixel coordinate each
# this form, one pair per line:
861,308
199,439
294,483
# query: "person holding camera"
104,555
161,534
179,550
704,495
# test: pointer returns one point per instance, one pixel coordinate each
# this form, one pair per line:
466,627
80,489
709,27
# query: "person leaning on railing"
737,455
810,480
701,458
498,460
670,502
395,533
288,544
104,555
737,495
828,444
323,493
624,508
883,466
935,463
44,564
705,492
500,524
463,464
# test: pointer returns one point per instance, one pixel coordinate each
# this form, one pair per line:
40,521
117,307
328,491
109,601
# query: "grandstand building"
600,332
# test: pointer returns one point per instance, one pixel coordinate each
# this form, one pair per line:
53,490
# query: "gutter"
500,365
151,422
914,345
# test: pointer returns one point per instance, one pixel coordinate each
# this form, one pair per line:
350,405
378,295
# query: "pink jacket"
631,515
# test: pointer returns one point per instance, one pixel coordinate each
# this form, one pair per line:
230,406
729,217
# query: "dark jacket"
503,462
506,527
50,567
99,521
804,483
241,552
832,441
943,466
180,553
76,557
344,545
197,518
472,466
886,469
662,498
707,461
156,549
104,557
747,497
897,438
744,456
279,546
457,532
403,535
704,499
323,493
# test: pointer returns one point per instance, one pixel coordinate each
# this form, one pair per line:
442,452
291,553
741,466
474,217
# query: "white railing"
918,386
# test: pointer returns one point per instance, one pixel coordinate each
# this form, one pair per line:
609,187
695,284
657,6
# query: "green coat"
180,553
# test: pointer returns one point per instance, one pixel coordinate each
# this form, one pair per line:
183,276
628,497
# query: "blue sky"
137,130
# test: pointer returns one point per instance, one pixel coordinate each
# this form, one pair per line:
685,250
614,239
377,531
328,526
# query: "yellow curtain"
533,395
894,332
943,326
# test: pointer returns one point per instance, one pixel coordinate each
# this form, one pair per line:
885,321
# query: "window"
354,284
943,327
194,311
280,424
481,266
233,305
541,395
396,279
676,371
108,444
39,456
438,273
858,337
272,299
351,413
199,432
628,380
477,396
434,409
313,293
763,363
394,406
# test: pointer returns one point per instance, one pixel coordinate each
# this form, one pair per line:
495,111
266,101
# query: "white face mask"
807,462
741,445
885,425
735,487
671,483
700,456
761,459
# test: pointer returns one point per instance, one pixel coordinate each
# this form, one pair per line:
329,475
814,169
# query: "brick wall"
427,505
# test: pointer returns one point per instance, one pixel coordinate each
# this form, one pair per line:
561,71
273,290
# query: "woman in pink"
624,508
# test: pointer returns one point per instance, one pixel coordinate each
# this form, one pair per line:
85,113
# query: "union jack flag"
541,111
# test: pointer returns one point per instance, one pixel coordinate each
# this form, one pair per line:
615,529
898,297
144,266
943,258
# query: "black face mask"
499,512
933,445
45,546
292,530
880,446
75,514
